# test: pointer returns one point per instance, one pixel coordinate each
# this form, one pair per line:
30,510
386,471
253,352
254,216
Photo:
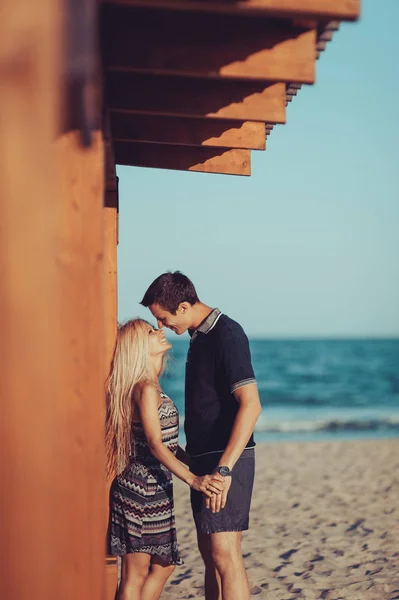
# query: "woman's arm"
183,456
147,403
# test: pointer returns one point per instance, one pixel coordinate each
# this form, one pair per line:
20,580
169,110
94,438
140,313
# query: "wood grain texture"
31,545
204,45
182,96
187,132
343,10
205,160
80,273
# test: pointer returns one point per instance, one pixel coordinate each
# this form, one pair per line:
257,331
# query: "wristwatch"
223,471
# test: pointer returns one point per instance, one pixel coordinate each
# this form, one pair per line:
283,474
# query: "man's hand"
218,501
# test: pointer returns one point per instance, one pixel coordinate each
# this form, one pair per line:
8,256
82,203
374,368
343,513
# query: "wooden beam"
188,132
204,160
181,96
342,10
163,42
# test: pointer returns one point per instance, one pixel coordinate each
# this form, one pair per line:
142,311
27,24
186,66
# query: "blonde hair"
130,366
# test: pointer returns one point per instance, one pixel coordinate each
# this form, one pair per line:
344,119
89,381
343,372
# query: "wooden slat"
205,160
342,10
110,227
241,47
188,132
110,216
181,96
295,86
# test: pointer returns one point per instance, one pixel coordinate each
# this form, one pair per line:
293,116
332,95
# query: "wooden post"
110,221
51,322
32,563
79,257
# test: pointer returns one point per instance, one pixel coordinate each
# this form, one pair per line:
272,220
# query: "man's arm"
249,410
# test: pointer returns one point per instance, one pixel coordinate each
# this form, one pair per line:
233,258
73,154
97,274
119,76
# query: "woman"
142,444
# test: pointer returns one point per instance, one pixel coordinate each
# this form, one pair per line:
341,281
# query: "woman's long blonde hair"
130,366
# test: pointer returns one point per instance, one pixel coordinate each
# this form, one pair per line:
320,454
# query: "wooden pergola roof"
197,85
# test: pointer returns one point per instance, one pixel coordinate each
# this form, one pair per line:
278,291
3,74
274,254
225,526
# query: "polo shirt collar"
208,323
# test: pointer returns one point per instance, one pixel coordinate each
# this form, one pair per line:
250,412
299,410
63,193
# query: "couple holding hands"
221,408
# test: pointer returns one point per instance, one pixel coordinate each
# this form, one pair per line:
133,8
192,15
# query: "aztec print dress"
142,517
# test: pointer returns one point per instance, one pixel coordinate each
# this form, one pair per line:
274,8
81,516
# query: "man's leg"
223,551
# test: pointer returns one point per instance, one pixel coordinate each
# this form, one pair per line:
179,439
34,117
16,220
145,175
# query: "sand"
324,524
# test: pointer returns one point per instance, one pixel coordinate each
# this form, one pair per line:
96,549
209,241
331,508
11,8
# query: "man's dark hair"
169,290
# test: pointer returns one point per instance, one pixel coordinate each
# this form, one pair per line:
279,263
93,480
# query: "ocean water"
315,389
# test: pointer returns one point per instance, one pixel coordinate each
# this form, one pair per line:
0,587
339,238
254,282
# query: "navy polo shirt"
218,363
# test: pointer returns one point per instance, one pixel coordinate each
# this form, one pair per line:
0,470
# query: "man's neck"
200,312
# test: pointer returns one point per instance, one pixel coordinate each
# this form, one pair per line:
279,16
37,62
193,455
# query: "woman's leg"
213,585
157,577
135,568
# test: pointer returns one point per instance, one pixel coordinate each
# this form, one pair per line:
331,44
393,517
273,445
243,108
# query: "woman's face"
158,344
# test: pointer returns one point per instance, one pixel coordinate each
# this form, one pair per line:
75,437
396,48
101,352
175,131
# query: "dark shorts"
235,515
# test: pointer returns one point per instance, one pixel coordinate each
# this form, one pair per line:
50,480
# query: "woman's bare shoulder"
145,390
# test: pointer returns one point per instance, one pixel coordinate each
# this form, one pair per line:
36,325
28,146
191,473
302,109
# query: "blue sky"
309,244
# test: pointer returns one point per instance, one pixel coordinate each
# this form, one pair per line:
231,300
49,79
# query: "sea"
324,389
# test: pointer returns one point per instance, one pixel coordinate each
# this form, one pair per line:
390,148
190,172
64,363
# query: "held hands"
215,489
218,501
209,485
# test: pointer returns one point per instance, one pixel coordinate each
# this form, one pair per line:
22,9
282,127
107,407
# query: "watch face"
224,471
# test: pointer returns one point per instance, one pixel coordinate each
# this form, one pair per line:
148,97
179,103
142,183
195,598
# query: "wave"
328,400
348,424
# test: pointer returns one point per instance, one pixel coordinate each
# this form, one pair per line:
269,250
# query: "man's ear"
183,307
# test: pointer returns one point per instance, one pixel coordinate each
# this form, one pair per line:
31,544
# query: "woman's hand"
208,484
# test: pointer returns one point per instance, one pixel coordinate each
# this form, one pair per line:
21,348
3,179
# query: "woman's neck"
155,369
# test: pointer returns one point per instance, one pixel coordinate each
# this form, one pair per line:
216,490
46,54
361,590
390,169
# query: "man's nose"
160,324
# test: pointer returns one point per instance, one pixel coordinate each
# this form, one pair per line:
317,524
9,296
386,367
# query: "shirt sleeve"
235,359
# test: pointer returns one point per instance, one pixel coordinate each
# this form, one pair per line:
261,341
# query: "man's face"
179,323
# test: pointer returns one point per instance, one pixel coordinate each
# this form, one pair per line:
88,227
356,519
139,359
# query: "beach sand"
324,524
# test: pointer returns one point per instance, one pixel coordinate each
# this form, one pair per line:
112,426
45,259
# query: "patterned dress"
142,517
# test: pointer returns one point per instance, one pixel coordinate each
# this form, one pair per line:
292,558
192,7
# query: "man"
221,408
